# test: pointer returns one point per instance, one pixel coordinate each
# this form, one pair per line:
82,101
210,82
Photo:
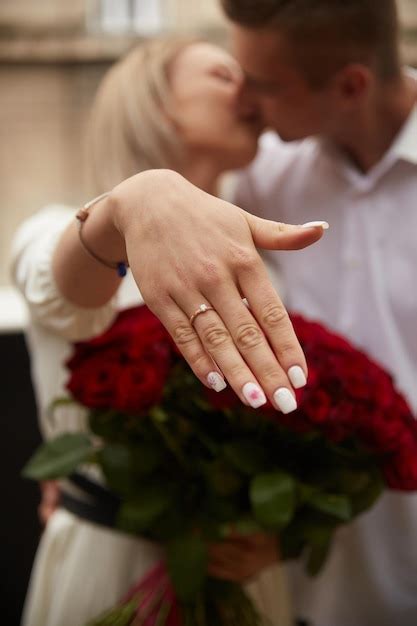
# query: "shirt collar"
405,146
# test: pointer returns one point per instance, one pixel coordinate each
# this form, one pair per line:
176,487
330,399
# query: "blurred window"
141,16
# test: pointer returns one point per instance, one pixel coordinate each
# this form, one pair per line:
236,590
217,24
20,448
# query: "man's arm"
187,248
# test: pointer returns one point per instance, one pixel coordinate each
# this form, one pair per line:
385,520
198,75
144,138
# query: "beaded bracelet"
81,216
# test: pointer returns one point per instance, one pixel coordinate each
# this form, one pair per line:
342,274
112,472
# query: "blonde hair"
129,128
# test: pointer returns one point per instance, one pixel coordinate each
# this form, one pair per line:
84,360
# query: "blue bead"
121,269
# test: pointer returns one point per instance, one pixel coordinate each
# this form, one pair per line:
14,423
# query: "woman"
168,104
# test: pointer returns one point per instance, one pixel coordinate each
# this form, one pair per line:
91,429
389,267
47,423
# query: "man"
327,73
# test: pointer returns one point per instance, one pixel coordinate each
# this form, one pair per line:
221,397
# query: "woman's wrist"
100,233
130,201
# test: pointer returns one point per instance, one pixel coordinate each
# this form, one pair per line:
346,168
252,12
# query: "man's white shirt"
360,280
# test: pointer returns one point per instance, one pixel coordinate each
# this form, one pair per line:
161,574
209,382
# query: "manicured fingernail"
216,381
284,400
317,224
297,377
254,395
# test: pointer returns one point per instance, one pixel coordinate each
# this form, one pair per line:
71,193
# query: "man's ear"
351,84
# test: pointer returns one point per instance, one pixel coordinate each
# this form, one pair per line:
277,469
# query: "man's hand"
187,248
242,557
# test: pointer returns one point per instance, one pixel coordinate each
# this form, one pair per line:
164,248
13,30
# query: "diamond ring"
203,308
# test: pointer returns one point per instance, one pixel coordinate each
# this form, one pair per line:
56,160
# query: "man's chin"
290,137
287,137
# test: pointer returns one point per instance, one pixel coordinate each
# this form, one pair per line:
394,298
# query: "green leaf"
352,481
319,550
243,526
59,457
118,616
364,499
60,402
337,505
146,457
273,499
187,564
247,457
304,492
219,509
116,463
201,402
158,414
138,514
106,424
222,479
170,524
291,542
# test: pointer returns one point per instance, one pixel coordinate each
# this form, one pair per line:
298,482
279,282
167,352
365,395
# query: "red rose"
350,396
227,399
400,470
317,406
126,367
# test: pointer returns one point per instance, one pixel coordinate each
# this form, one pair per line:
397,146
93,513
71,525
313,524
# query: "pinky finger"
190,346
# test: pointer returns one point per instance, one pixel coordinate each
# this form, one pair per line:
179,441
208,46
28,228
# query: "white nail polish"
216,381
297,377
317,224
254,395
284,400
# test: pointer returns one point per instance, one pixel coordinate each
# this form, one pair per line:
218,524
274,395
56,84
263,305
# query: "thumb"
271,235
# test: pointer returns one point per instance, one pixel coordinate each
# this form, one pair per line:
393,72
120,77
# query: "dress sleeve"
32,251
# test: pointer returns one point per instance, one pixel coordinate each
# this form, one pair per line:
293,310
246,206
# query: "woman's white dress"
80,568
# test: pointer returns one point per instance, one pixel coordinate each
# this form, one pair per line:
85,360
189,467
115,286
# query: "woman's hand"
240,558
187,248
49,500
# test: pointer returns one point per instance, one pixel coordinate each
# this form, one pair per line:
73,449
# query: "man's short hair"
325,35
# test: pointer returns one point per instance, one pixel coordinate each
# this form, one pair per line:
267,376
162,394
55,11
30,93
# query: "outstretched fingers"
188,342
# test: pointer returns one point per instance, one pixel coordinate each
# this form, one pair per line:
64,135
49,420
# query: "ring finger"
189,344
219,344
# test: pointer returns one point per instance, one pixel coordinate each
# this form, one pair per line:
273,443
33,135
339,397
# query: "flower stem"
163,613
142,616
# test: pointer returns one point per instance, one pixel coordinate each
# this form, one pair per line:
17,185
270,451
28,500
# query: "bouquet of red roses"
189,465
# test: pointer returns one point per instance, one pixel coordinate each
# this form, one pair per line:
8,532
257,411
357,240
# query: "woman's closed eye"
225,74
